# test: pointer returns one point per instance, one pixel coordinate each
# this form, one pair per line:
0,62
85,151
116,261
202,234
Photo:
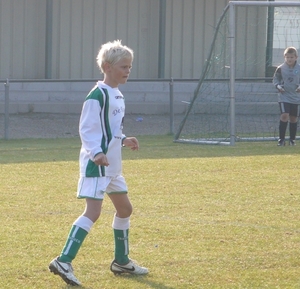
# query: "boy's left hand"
298,89
131,142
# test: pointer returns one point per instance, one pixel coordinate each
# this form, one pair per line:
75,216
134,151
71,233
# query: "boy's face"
290,59
117,73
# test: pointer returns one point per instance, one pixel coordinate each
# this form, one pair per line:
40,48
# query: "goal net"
235,99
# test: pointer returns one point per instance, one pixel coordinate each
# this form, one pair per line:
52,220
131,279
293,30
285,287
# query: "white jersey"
100,130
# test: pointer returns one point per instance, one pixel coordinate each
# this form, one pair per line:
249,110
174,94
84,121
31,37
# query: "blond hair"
112,52
290,50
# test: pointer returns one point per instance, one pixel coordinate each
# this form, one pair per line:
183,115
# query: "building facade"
59,39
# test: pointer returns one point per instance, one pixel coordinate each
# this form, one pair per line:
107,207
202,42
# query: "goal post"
234,99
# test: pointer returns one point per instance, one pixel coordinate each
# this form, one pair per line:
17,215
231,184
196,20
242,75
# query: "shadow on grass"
143,280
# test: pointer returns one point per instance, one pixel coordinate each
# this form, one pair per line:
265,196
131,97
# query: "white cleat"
64,270
131,268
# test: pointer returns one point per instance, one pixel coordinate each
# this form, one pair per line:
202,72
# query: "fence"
155,96
143,97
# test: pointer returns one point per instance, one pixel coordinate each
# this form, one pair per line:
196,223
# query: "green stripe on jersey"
106,117
96,94
92,170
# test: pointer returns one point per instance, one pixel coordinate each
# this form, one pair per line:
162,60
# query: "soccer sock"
77,234
293,130
121,230
282,129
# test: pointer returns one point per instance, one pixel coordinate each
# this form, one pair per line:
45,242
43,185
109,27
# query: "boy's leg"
284,117
92,189
282,129
81,227
121,231
117,192
293,130
62,264
121,223
293,123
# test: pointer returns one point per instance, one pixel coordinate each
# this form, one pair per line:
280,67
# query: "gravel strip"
41,125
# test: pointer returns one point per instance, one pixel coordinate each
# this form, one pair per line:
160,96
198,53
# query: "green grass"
204,216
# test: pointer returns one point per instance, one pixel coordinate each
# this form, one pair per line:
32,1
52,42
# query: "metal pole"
171,106
6,110
232,72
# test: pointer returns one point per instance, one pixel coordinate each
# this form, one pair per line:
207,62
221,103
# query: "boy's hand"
298,89
280,88
101,160
131,142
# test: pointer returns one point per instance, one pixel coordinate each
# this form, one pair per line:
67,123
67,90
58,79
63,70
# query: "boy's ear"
106,66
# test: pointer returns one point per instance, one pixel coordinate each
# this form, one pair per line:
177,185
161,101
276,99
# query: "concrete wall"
67,97
62,42
141,97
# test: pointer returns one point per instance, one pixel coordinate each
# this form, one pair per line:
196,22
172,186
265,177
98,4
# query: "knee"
96,216
124,212
93,209
129,212
284,117
92,215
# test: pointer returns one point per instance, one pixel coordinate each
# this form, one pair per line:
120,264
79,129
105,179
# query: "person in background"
287,81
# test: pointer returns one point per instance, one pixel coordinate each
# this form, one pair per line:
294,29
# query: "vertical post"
6,110
171,85
232,71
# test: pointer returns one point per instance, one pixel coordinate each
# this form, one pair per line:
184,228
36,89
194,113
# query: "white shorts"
95,188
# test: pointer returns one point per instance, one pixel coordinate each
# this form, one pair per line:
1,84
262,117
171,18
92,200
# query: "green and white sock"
77,234
121,231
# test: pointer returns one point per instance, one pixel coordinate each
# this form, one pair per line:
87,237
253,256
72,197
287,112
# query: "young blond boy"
287,80
100,161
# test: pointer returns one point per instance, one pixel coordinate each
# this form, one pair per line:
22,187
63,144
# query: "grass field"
204,216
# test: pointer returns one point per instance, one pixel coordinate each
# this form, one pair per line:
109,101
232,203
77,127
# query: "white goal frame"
230,10
232,34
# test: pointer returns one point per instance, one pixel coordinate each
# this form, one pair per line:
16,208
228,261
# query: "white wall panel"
22,38
189,29
5,38
251,40
79,27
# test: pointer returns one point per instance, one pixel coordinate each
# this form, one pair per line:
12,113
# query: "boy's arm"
277,79
131,142
298,88
90,130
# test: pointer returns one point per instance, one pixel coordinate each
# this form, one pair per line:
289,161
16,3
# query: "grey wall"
22,38
79,27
